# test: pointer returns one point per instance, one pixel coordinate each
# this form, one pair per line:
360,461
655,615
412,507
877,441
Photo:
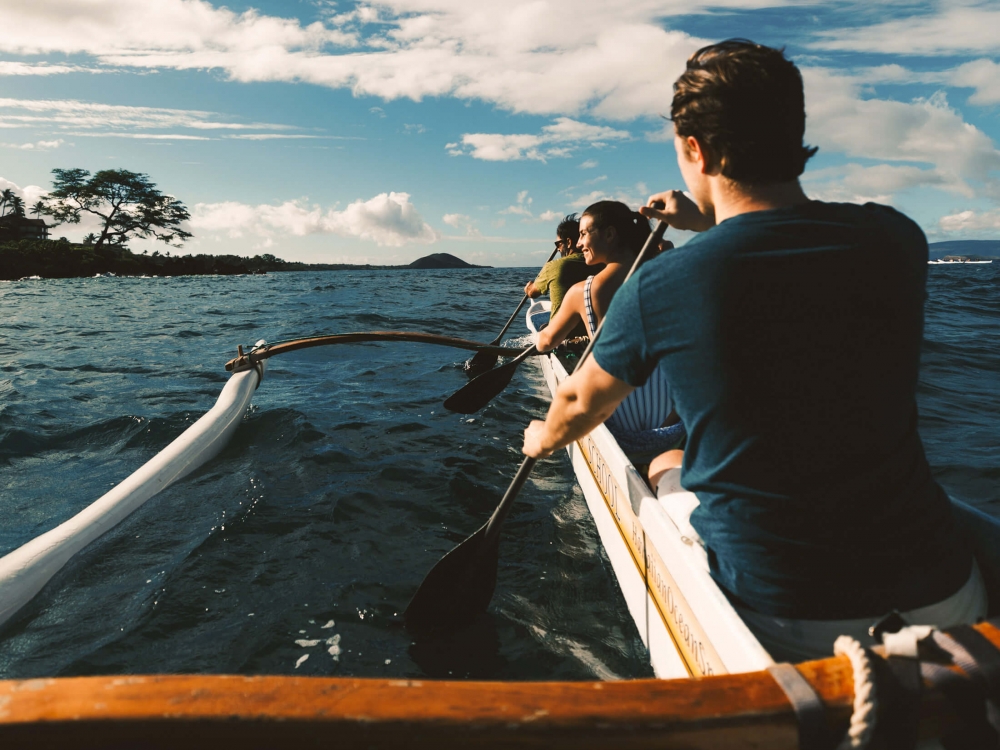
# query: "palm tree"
17,206
5,198
38,209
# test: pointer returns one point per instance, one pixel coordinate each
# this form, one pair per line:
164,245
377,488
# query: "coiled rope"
865,695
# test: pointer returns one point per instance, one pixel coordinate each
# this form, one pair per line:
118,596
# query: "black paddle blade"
457,590
480,363
479,391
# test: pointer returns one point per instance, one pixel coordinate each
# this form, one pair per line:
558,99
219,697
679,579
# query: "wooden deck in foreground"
195,711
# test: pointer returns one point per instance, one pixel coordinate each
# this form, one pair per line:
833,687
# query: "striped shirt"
648,406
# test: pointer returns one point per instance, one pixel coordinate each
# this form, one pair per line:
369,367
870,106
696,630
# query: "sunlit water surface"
295,550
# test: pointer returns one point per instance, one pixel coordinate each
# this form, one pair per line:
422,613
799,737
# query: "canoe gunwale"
163,711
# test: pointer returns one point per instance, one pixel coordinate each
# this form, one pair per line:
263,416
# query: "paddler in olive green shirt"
557,276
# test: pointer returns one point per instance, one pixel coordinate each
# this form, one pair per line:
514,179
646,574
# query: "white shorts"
801,640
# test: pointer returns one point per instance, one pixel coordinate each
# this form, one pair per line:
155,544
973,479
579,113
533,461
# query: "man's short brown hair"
744,103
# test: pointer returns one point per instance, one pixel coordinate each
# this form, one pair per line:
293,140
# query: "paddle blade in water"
478,392
480,363
457,590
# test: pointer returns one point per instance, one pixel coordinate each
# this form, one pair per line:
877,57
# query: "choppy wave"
296,549
346,483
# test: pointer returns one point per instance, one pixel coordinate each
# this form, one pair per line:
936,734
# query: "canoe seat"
679,504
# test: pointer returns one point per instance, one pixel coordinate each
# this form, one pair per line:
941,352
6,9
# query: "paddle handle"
497,519
518,308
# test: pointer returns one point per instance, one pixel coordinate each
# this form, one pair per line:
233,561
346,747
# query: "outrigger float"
716,686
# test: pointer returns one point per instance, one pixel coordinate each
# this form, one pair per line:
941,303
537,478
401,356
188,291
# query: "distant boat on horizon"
956,262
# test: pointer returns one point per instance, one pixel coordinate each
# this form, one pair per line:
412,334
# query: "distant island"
60,259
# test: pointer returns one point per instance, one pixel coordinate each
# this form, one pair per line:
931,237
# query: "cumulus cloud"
614,61
29,193
981,75
588,164
463,222
946,28
556,140
971,222
855,183
388,219
925,130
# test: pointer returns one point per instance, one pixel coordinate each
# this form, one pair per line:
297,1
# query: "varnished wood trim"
209,711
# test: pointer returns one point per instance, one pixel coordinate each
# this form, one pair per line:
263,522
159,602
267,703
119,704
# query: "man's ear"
702,155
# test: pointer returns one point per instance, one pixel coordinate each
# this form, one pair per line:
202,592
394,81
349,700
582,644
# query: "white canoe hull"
682,616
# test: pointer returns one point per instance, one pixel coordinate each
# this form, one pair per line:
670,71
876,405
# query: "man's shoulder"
571,259
574,266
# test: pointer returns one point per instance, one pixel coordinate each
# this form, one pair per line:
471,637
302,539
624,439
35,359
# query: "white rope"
865,699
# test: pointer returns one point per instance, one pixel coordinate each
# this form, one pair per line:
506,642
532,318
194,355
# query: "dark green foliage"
126,202
58,259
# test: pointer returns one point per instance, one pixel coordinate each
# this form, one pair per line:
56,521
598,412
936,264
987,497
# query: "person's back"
796,381
557,276
790,333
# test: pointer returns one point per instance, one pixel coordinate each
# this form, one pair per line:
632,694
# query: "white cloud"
522,207
549,216
290,136
36,146
30,193
855,183
588,164
925,131
387,219
71,113
556,140
955,27
614,61
11,68
189,33
981,75
971,222
461,221
632,197
144,136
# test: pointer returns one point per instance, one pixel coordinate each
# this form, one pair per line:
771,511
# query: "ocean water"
295,550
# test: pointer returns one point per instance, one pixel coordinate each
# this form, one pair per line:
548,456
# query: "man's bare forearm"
581,403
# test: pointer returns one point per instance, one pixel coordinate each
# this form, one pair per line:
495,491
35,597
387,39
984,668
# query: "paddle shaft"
518,308
524,471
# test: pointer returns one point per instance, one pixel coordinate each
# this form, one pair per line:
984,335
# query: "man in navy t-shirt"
790,332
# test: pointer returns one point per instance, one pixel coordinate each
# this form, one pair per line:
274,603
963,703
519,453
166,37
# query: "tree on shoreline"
11,204
128,203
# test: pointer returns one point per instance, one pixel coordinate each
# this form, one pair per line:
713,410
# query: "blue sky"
381,132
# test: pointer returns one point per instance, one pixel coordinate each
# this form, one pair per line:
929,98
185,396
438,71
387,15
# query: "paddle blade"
480,363
457,590
478,392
